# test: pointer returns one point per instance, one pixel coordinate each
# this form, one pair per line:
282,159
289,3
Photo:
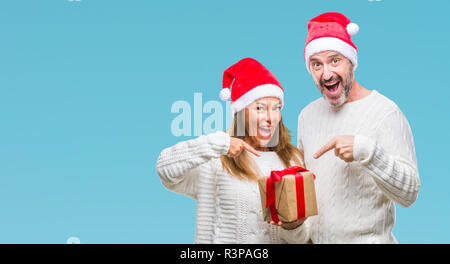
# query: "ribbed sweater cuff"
220,141
363,149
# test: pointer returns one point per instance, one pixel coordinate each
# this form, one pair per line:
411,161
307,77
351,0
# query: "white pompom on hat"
352,29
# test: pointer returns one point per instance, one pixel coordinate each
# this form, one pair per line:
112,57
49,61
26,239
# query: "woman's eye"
277,108
260,108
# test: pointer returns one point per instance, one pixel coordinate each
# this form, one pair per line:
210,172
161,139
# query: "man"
357,142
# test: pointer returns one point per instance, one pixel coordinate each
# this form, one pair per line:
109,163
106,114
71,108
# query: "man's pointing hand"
342,145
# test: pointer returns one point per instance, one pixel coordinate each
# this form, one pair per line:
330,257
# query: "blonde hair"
243,166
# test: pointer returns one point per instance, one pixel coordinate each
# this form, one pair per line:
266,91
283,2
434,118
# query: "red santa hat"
331,31
252,81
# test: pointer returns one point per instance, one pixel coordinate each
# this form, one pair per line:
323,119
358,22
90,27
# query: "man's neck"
357,93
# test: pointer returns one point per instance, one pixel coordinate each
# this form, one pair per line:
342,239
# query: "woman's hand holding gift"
289,225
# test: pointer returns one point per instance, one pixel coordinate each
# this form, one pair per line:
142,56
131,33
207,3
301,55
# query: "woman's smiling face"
263,117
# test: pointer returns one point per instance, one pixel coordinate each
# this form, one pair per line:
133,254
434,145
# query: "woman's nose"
269,116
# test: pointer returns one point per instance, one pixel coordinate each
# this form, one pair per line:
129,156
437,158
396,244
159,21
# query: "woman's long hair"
243,166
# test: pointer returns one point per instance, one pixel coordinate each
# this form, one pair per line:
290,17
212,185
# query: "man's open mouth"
332,87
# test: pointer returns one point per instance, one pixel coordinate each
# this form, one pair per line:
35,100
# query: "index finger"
330,145
251,149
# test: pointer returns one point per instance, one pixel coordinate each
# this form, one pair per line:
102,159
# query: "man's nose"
327,73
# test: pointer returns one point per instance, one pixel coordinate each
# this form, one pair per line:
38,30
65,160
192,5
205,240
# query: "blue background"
86,90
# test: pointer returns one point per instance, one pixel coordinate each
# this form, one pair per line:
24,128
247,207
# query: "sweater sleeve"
178,166
391,159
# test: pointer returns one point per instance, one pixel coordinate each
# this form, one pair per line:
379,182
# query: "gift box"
288,195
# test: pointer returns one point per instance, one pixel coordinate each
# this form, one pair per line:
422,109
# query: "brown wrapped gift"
288,205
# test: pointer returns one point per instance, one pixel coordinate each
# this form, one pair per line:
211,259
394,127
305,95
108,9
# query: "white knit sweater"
228,209
356,200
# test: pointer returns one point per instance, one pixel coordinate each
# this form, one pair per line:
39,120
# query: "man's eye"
260,108
335,61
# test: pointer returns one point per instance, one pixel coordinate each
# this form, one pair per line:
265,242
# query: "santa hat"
252,81
331,31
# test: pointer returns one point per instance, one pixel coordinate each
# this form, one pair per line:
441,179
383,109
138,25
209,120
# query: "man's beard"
347,88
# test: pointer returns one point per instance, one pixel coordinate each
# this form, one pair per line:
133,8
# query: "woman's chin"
263,142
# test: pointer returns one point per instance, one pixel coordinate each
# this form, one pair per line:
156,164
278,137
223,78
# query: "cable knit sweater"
356,200
228,209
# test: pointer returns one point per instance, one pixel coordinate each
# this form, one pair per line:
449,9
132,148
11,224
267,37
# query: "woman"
220,170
